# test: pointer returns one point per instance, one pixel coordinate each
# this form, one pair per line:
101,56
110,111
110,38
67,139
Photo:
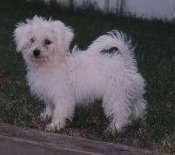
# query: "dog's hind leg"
139,109
118,111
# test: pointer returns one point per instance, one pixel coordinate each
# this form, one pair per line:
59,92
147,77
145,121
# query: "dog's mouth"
40,59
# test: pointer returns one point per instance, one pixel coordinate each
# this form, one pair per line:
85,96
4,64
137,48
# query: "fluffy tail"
113,41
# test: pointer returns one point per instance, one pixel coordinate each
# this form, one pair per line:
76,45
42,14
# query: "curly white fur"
63,79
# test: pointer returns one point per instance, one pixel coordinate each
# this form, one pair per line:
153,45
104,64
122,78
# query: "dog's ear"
20,36
65,33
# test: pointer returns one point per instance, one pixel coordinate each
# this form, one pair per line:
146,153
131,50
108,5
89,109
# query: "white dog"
107,70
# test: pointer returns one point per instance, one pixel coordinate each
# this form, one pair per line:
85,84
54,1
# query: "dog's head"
42,40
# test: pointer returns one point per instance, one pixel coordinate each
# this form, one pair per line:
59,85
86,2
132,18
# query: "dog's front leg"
63,110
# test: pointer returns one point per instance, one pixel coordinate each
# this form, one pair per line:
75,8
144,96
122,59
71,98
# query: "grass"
155,54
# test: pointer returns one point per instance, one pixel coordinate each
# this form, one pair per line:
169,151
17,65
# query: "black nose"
36,52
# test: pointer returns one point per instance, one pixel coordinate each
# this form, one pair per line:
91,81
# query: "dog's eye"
32,40
47,42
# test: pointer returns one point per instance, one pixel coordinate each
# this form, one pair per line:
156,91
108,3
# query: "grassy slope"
155,55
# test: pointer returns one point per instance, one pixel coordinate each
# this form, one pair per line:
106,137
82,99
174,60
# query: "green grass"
155,54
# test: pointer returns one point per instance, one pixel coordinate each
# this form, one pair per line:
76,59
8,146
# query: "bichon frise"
107,70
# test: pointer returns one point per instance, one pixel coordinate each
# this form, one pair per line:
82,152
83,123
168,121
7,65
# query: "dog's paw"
53,126
118,127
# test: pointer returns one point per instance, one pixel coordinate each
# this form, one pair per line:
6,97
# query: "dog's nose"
36,52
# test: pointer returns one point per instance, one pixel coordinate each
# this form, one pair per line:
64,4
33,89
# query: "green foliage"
155,54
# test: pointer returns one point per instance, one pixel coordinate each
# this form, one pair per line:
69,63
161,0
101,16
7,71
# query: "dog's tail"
113,43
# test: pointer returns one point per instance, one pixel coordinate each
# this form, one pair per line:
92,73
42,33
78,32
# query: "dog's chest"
47,86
